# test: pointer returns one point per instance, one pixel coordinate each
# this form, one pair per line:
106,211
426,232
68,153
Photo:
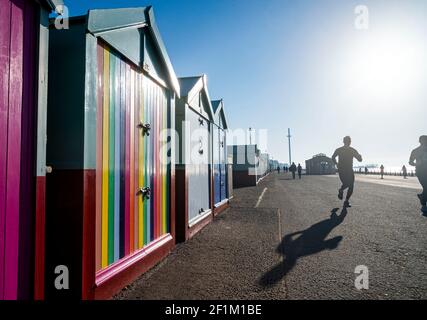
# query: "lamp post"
289,140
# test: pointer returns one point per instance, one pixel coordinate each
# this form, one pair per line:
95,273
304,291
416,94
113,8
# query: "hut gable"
51,4
194,92
134,33
219,114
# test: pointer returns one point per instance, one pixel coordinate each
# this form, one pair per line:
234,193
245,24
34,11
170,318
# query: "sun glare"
386,65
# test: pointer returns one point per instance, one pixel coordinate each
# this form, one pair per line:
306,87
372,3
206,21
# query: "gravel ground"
299,244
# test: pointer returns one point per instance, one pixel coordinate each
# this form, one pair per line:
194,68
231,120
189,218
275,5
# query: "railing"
377,172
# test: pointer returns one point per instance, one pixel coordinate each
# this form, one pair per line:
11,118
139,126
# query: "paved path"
299,244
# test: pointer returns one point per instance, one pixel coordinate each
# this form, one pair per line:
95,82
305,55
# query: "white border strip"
260,197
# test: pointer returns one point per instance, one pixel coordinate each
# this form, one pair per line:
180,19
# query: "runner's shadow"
310,241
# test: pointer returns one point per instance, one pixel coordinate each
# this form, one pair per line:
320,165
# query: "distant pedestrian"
419,160
382,171
293,169
366,170
278,169
405,172
345,156
299,170
284,169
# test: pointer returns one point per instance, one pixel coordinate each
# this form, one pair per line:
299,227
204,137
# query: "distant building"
249,165
320,164
274,164
263,164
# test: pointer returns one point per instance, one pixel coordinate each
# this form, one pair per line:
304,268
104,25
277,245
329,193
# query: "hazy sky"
304,65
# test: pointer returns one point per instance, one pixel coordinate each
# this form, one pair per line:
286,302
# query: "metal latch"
200,146
145,128
145,192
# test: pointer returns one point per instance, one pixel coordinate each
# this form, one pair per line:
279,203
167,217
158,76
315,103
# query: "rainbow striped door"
133,176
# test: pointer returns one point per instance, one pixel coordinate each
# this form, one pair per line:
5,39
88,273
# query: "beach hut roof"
191,86
51,4
218,108
120,28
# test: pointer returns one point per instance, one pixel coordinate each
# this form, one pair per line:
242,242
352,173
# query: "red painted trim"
118,275
89,229
193,230
40,238
221,208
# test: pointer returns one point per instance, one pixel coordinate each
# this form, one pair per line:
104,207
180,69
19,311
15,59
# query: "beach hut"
246,171
194,116
219,148
263,165
320,164
110,196
23,80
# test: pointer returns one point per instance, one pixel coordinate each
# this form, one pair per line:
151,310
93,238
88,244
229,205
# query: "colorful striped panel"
128,159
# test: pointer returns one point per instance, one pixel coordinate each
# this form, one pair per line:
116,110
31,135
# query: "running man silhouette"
345,156
419,160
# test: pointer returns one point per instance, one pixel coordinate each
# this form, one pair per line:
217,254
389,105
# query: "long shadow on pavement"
310,241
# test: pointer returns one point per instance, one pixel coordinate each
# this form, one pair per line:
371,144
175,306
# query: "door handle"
200,146
145,192
145,128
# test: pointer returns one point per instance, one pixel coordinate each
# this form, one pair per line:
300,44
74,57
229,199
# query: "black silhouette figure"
405,172
278,169
299,170
382,171
345,156
419,160
309,241
293,169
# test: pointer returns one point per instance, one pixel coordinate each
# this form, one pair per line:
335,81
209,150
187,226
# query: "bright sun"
386,65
